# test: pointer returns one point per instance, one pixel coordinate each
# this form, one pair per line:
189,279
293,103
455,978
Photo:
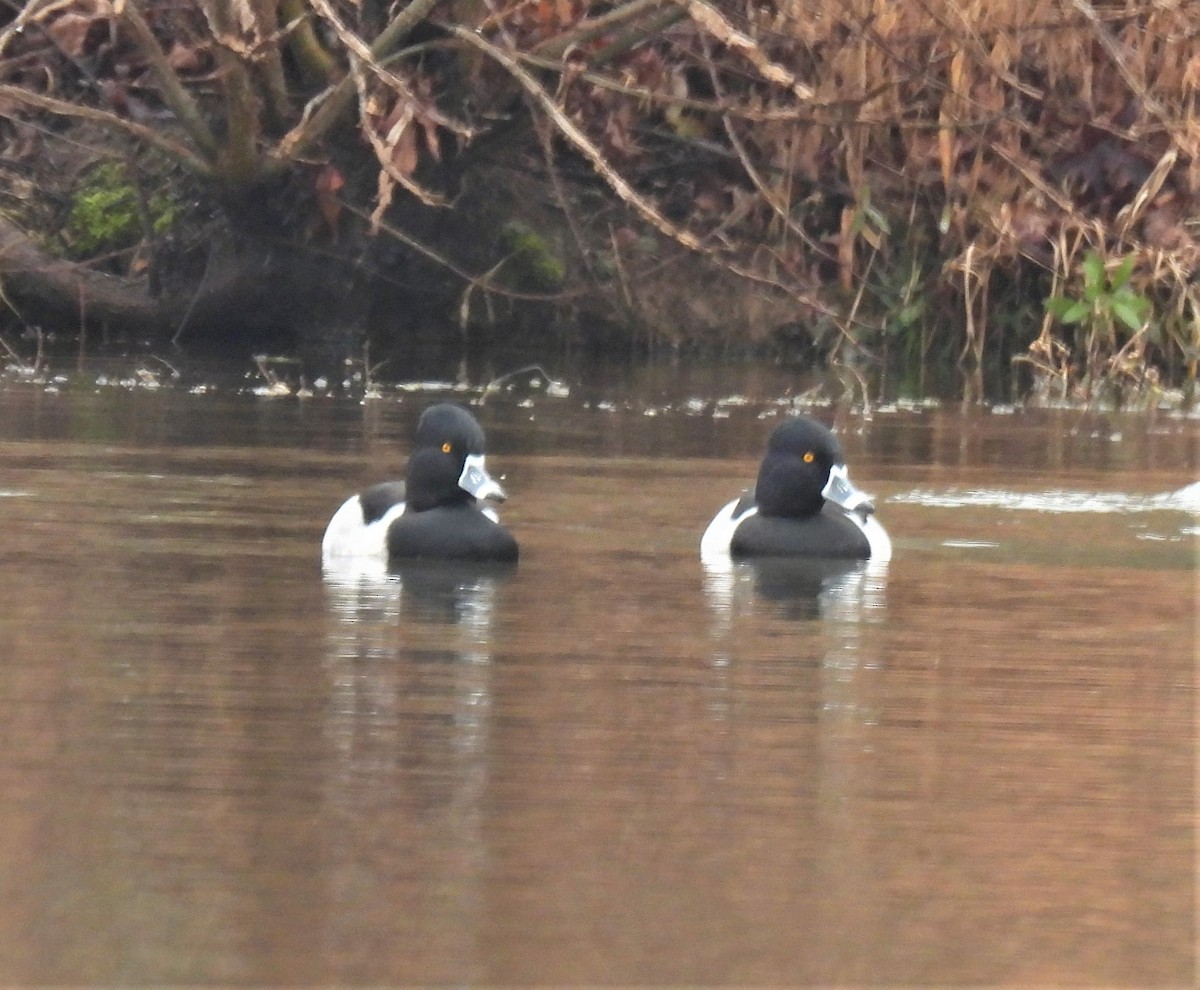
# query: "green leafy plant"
1106,299
1107,303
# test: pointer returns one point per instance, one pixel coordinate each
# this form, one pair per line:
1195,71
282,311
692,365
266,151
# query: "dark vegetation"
1006,188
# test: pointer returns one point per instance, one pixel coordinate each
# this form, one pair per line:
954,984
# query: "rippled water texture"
973,766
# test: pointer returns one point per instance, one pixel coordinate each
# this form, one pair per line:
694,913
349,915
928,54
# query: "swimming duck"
803,504
434,513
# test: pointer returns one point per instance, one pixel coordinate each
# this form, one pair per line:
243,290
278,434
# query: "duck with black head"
435,513
803,505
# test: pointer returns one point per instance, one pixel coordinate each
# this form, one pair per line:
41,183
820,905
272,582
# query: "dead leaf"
618,132
28,144
243,13
1163,229
648,69
186,58
404,152
328,184
1191,75
70,32
711,202
375,106
624,238
429,130
1030,224
387,190
845,252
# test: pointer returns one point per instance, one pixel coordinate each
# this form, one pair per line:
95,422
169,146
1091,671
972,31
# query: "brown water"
976,766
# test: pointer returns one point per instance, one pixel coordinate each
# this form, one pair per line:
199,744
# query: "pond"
973,765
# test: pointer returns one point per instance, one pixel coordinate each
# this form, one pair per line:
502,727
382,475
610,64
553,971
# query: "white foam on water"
1186,499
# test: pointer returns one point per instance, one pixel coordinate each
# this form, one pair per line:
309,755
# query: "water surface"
607,766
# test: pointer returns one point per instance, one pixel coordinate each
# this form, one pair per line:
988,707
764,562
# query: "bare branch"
593,27
384,150
31,13
240,158
151,136
635,35
630,196
366,57
709,18
580,140
311,57
340,97
475,281
173,92
267,25
769,197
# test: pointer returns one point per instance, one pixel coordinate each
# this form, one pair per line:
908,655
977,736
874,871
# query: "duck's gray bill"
476,481
840,491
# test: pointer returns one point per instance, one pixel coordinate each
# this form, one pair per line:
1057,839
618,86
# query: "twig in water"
370,391
275,384
187,313
168,365
9,350
82,329
494,384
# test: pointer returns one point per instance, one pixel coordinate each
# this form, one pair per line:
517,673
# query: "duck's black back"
377,499
450,533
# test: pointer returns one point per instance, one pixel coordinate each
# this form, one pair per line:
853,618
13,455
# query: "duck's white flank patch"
877,538
715,542
348,536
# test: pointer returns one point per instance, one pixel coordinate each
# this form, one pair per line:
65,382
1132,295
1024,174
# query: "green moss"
530,257
105,215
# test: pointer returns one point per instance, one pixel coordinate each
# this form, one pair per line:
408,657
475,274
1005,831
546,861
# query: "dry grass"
939,153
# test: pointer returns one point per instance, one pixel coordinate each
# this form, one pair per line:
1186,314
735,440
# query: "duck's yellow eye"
445,448
809,457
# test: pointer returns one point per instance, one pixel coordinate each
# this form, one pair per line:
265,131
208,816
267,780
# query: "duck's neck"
782,491
432,481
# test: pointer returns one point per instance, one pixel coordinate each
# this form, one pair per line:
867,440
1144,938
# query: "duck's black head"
802,468
447,462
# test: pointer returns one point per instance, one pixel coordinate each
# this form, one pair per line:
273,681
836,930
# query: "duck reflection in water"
804,588
434,592
409,659
450,592
796,588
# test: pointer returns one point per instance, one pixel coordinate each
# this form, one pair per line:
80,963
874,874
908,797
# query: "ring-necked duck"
803,504
434,513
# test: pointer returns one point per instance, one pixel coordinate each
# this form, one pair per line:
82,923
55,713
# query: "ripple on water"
1186,499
